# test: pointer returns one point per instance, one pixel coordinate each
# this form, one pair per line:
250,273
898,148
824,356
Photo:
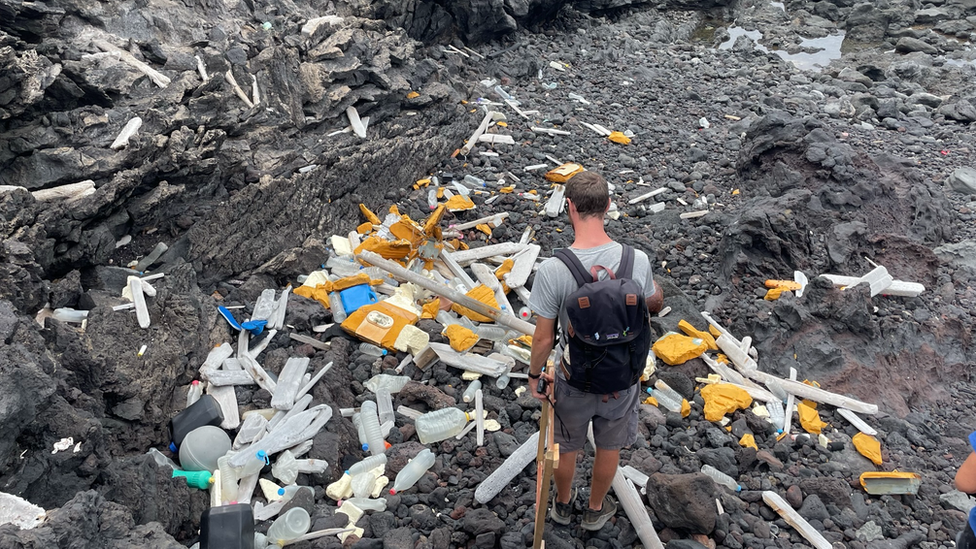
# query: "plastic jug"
202,447
227,527
440,424
205,411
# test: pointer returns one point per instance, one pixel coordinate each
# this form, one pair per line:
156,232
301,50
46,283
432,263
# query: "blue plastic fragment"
224,312
172,447
255,326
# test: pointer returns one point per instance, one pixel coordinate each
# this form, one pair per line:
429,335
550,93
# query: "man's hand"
534,387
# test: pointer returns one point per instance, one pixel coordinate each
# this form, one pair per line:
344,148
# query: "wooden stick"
544,463
157,77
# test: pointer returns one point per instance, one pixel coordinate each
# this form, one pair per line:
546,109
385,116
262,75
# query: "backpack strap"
626,268
574,265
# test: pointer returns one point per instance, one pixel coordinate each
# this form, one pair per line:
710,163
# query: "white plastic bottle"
228,480
473,387
525,313
194,393
493,333
384,407
368,464
440,424
371,350
254,464
290,526
371,425
721,478
357,421
432,197
411,473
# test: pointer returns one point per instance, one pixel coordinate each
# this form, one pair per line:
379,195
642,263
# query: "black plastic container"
205,411
227,527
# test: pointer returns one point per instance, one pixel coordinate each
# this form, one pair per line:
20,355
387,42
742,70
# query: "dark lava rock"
684,501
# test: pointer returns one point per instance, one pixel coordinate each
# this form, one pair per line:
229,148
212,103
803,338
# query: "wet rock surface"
867,159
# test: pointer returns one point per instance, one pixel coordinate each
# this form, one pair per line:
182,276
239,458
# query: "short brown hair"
589,193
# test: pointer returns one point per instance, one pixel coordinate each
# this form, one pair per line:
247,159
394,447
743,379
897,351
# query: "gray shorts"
614,421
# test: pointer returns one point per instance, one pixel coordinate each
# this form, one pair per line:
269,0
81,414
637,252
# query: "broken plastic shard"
264,306
384,406
253,427
356,122
130,129
289,381
19,512
285,468
503,475
142,311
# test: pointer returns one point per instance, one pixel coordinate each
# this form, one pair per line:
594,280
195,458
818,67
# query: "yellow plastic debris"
652,401
788,285
440,192
810,417
748,441
502,123
563,173
485,228
691,331
674,348
431,307
868,446
380,329
319,293
504,269
483,294
458,203
507,190
460,337
413,95
432,225
619,137
773,294
723,399
365,228
350,281
524,341
735,192
895,482
685,408
397,249
369,215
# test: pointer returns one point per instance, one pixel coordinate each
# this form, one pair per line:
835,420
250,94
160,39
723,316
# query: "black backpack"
609,329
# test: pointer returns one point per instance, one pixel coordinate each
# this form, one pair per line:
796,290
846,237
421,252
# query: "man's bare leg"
564,476
604,468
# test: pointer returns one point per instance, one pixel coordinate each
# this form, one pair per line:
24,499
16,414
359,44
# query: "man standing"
614,416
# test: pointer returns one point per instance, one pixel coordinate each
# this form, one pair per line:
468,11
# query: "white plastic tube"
501,477
479,416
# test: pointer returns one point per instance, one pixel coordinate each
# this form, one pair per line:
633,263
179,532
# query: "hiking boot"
562,513
594,520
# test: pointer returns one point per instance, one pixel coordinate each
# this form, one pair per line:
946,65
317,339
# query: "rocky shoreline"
818,171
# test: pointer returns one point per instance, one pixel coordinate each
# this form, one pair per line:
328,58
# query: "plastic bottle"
440,424
473,387
194,393
513,465
161,459
371,350
366,504
371,425
445,319
205,411
777,414
411,473
385,414
362,484
504,94
228,480
493,333
254,464
67,314
721,478
671,393
432,197
335,305
393,384
461,189
665,400
292,525
195,479
502,381
473,182
368,464
525,313
357,420
288,492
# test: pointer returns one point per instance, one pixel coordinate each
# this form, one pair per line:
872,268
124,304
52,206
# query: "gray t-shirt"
554,282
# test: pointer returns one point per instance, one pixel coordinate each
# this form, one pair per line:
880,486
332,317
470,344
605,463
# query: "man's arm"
543,340
655,301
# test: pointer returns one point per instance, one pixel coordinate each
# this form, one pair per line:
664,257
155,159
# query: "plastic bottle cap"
281,491
365,447
738,488
195,382
383,353
172,447
392,492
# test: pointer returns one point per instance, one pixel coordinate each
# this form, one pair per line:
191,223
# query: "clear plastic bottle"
335,305
288,492
720,478
473,182
411,473
385,413
665,400
254,464
393,384
194,393
432,197
502,381
366,504
440,424
368,464
228,480
504,94
671,393
493,333
290,526
67,314
362,484
777,414
461,189
473,387
371,425
357,420
445,319
371,350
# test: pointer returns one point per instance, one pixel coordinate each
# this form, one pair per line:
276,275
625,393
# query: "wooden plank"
544,464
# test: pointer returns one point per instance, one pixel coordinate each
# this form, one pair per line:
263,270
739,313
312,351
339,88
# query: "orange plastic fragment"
691,331
674,348
365,228
748,441
773,294
714,331
562,174
460,337
398,249
504,269
483,294
319,293
440,192
430,308
459,203
788,285
810,417
484,227
359,325
619,137
413,95
369,215
432,224
507,190
721,399
350,281
685,408
868,447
